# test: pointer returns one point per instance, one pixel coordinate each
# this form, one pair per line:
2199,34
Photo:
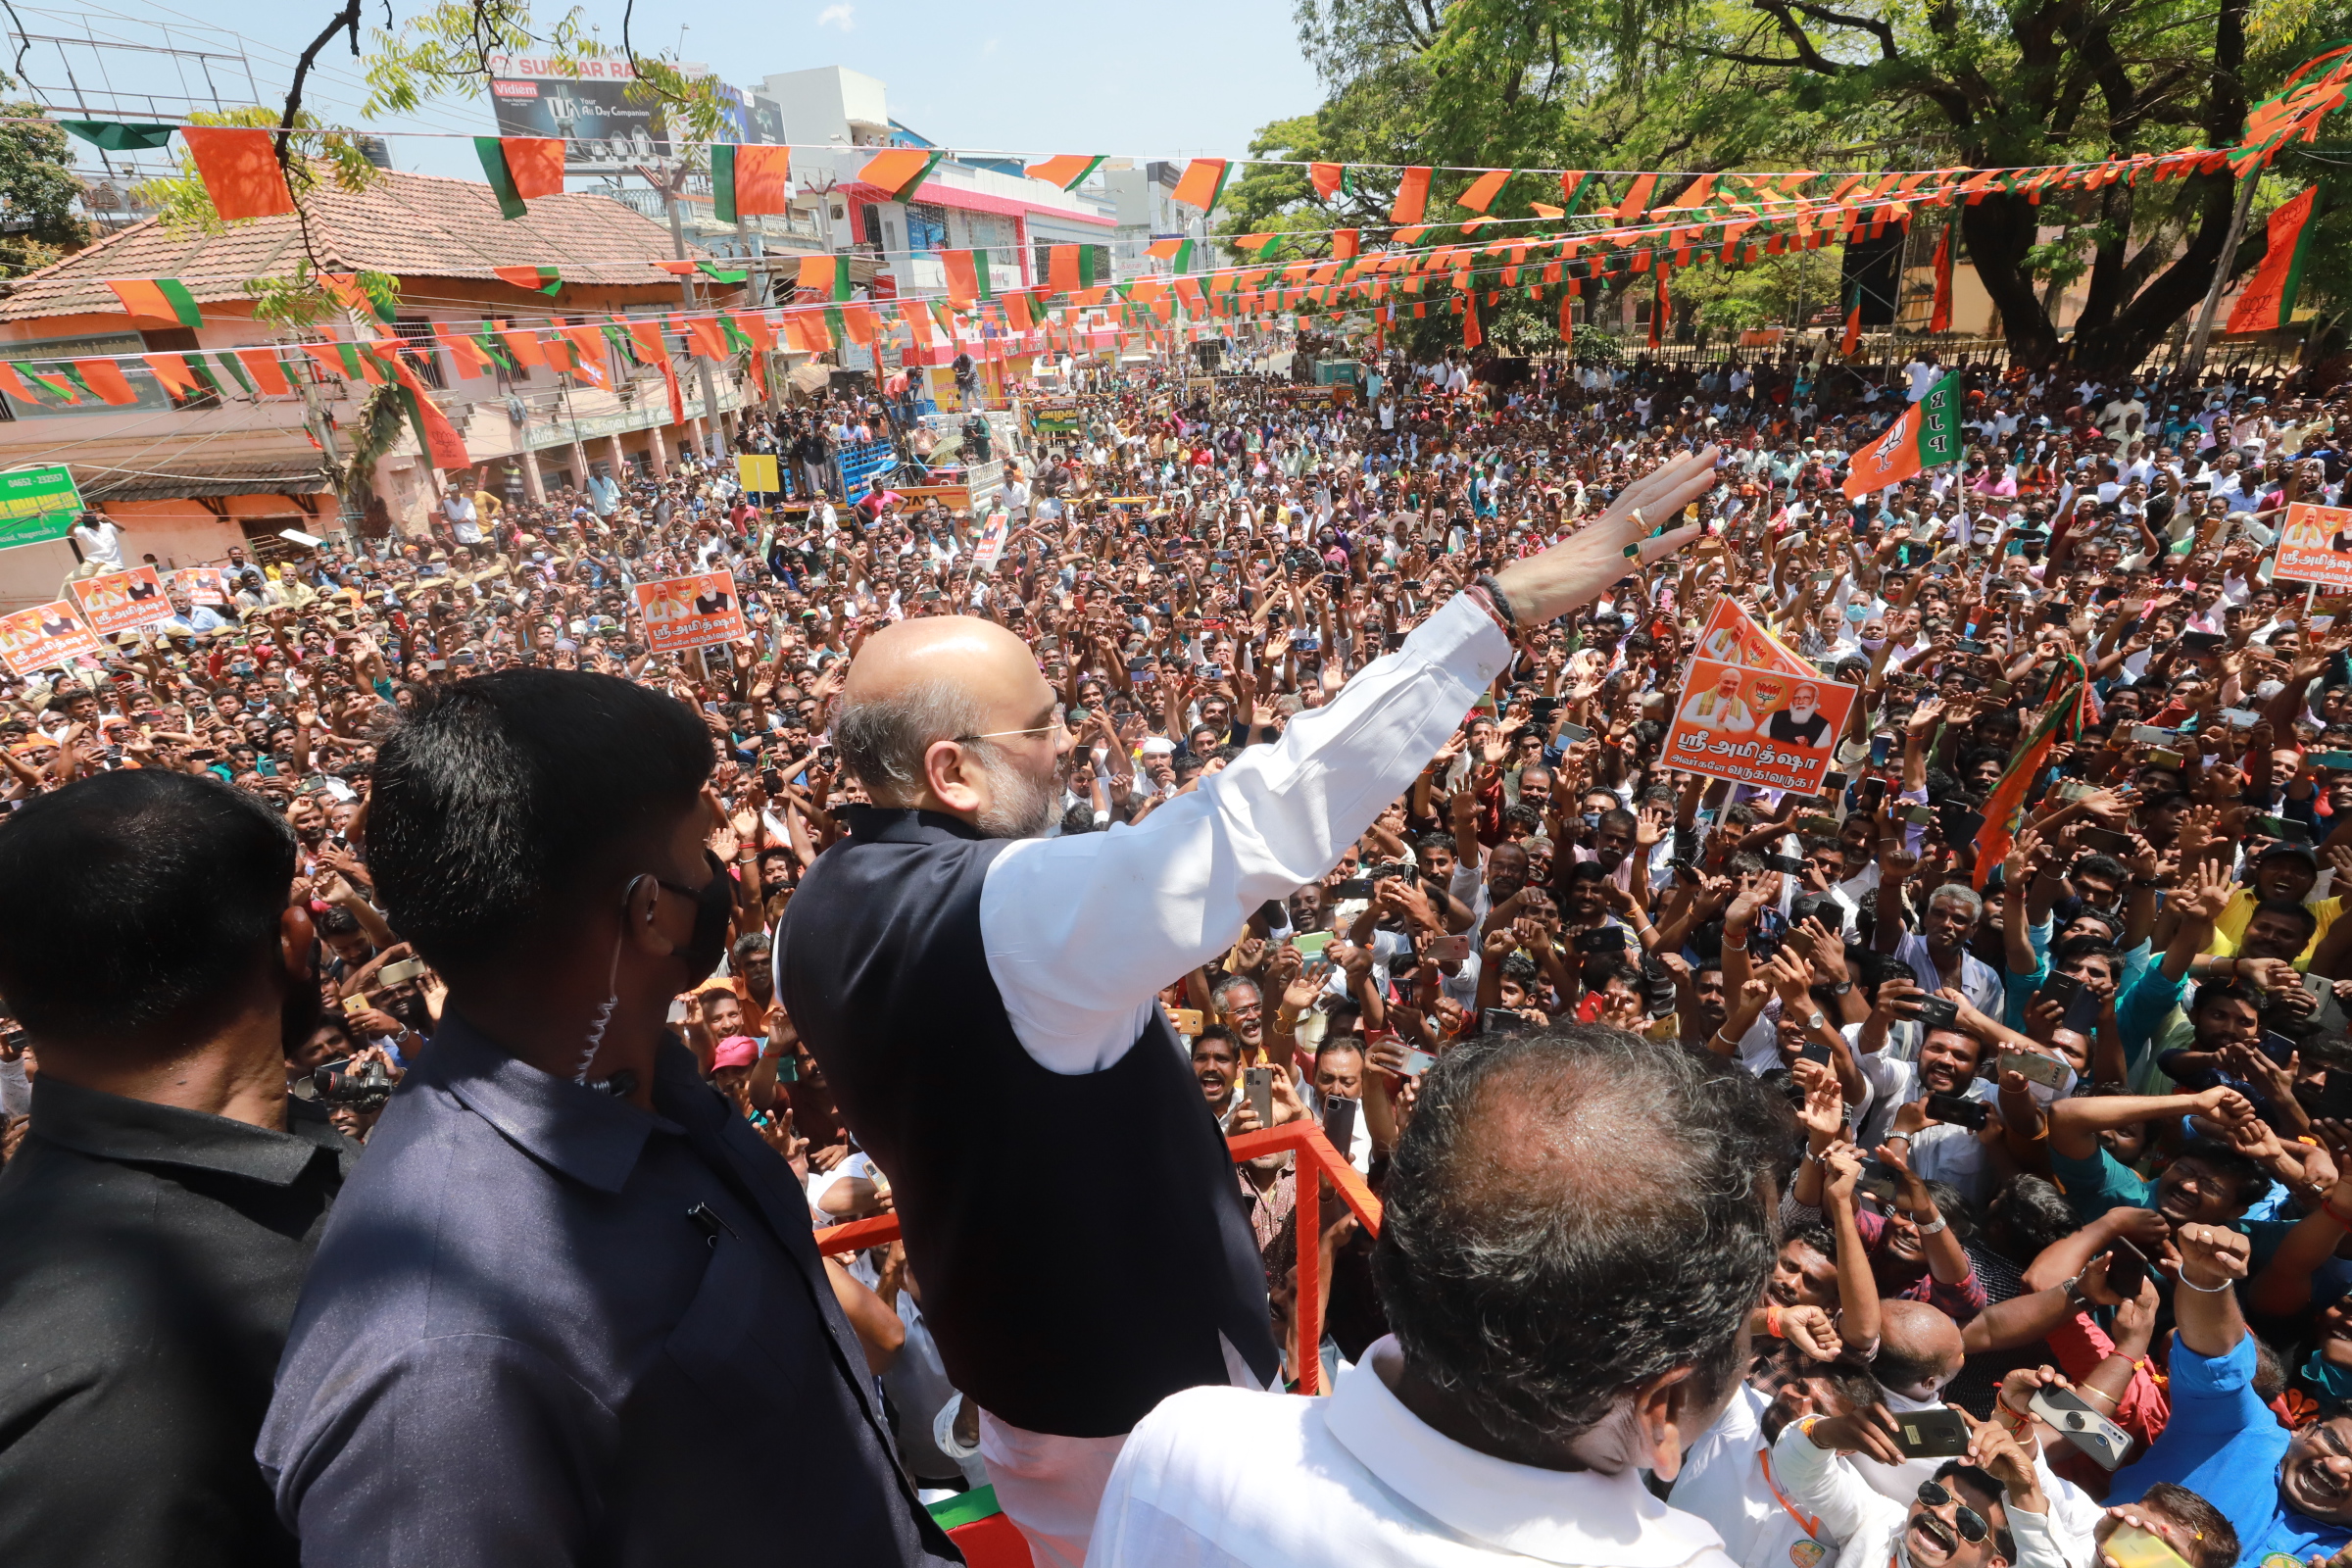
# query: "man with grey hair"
1576,1226
954,973
1938,952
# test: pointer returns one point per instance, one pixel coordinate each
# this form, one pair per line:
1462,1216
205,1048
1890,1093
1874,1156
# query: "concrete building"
963,205
185,477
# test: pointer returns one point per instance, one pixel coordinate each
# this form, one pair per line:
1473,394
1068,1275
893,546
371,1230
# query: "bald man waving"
958,976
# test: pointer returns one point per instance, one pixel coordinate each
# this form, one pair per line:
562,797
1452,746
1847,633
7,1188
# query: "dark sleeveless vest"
1081,1242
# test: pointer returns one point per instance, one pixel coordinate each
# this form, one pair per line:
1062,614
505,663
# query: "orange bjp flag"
173,372
239,170
1203,183
1412,195
1062,269
816,272
523,345
535,164
1637,198
963,280
105,377
1483,191
267,375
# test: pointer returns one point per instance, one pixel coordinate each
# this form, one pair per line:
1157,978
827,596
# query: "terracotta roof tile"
415,225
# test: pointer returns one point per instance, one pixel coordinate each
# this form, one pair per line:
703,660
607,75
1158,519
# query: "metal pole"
677,239
2192,365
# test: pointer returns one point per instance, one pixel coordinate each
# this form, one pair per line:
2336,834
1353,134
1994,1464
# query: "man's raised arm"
1081,930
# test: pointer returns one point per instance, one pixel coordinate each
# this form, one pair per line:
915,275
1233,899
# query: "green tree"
1781,84
37,191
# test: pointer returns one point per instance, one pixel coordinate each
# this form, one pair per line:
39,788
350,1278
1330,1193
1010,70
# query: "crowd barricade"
987,1539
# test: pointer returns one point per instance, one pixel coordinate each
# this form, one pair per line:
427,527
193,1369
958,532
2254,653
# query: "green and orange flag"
1177,253
1202,182
1927,436
519,168
1257,247
538,279
748,182
1852,339
1333,180
158,299
1412,196
1483,191
2268,301
900,170
2005,807
1066,171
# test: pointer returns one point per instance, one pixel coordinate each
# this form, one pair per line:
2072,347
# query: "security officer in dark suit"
570,1310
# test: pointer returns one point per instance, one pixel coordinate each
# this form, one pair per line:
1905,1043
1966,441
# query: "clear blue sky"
1123,79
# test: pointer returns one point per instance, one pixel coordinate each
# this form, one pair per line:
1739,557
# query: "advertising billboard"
605,132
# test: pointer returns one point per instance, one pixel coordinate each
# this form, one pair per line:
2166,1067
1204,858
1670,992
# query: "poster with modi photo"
1766,727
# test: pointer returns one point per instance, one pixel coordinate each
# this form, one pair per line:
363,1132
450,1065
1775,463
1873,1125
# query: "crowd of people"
1975,1183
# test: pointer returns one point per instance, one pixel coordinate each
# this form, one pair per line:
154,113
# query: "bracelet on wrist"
2205,1289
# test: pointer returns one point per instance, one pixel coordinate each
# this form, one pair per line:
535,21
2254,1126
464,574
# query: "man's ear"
1664,1410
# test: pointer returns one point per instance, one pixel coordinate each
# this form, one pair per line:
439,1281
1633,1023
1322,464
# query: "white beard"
1018,807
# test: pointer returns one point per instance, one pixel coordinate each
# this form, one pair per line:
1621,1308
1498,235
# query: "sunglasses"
1970,1523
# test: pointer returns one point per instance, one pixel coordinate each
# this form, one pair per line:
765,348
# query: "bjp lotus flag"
1927,436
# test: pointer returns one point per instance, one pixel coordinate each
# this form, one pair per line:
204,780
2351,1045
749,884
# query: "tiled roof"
175,480
417,226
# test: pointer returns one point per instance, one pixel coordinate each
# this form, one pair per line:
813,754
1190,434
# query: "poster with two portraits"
1753,713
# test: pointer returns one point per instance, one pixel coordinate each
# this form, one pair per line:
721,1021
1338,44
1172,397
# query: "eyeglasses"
1966,1520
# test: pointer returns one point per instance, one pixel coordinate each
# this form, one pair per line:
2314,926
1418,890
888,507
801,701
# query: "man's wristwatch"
1815,1021
1940,1223
1841,988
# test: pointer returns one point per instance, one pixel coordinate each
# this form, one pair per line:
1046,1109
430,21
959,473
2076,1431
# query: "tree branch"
346,21
1883,31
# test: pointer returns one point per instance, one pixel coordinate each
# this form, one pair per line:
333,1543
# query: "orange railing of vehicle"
1303,1139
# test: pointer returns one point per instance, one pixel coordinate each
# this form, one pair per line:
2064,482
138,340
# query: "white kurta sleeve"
1081,930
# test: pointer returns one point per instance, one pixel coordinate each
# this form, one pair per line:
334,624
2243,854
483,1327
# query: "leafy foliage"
1791,84
450,47
316,155
37,191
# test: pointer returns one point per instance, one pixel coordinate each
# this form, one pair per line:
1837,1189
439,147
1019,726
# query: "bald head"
935,708
1920,1348
962,649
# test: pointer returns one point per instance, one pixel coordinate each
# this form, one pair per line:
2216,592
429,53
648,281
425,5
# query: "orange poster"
45,637
2316,546
682,613
122,601
1773,728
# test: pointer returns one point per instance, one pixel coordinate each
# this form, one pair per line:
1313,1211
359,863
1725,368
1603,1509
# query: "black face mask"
713,908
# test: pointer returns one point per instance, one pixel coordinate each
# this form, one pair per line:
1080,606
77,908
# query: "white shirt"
1724,1483
1223,1478
101,545
1980,982
1868,1527
1082,931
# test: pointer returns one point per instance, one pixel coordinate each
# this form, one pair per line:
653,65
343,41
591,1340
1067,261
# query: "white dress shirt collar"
1560,1516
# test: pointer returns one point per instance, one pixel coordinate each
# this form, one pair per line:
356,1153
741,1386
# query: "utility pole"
2192,365
669,183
